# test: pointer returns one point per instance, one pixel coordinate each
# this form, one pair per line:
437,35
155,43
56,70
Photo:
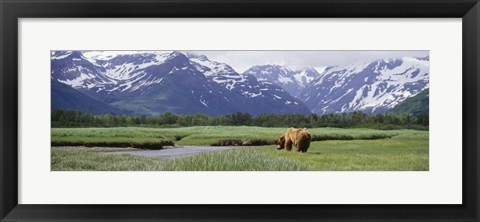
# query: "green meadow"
199,135
332,149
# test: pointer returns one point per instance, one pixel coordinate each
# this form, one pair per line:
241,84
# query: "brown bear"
299,137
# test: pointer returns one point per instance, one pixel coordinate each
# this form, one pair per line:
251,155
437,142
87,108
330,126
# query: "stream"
176,152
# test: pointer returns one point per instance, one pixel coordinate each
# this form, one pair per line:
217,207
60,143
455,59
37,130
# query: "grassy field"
200,135
334,150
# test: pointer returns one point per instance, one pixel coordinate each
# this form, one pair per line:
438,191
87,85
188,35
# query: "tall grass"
62,160
248,159
229,160
202,135
333,150
142,138
407,151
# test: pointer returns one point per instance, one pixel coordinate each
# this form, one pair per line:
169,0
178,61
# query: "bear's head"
281,143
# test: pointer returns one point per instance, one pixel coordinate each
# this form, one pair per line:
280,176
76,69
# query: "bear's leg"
305,147
298,144
288,145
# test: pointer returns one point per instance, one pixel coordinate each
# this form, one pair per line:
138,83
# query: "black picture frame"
12,10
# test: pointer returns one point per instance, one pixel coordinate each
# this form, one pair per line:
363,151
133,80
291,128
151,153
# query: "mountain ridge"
142,84
371,87
150,83
293,80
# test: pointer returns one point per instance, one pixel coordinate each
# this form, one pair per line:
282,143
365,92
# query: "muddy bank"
263,142
244,143
94,149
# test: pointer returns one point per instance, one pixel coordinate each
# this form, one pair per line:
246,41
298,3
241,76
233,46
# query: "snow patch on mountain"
369,86
290,78
60,54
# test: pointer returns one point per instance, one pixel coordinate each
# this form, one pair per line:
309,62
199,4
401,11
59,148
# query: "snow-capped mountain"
124,67
152,82
220,73
372,87
73,69
155,82
122,73
291,79
244,84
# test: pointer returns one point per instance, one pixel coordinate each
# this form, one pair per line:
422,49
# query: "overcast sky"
242,60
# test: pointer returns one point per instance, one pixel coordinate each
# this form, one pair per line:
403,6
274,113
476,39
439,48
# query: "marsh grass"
141,138
62,160
251,159
334,150
406,150
395,154
202,135
247,159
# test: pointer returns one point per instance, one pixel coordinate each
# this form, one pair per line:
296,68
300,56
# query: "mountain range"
372,87
291,79
150,83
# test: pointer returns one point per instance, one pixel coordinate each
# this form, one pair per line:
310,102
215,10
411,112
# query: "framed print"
266,110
